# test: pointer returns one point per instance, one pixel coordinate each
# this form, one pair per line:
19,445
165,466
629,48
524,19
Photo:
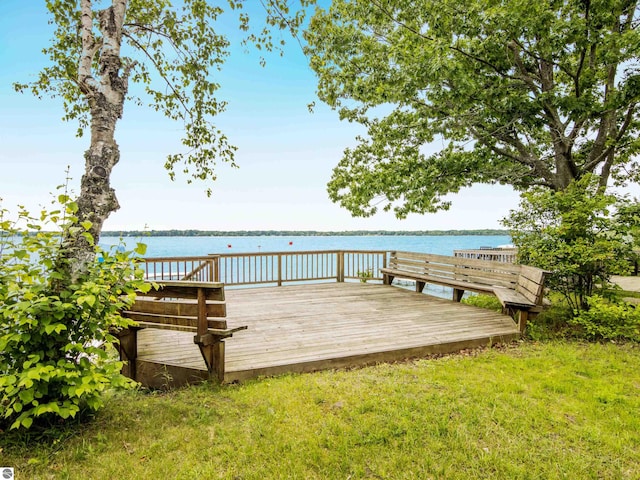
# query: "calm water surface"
195,246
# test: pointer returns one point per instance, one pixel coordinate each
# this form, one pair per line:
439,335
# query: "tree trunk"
565,171
105,92
97,200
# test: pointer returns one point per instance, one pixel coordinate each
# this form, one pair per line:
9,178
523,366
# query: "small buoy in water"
290,243
229,246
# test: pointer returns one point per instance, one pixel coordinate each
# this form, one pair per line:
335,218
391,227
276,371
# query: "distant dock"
494,254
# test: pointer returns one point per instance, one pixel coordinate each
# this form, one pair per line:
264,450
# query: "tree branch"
513,45
160,71
606,121
629,116
90,46
583,52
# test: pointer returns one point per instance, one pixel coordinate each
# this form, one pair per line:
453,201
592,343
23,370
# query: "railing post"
279,269
340,257
216,269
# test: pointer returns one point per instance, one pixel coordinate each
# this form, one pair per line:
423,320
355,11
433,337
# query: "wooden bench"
197,307
520,288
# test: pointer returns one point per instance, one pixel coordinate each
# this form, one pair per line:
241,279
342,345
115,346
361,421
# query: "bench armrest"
512,298
214,335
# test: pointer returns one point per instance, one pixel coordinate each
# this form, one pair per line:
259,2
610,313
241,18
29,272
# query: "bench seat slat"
184,289
170,307
178,321
476,287
512,298
165,326
218,332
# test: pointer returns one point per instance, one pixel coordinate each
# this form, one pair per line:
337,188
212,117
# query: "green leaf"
88,299
26,396
22,421
55,327
141,249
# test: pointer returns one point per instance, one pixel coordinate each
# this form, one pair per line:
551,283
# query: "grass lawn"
539,411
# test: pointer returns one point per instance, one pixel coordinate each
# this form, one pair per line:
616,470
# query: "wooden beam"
458,293
523,317
128,349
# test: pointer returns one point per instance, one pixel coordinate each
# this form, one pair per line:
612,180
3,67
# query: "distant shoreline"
301,233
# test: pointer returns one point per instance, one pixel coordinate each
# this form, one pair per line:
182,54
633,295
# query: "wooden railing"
197,269
275,268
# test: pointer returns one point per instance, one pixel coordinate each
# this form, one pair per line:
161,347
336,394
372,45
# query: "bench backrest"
482,272
181,305
529,281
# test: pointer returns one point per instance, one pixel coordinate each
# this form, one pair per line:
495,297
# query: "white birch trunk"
104,82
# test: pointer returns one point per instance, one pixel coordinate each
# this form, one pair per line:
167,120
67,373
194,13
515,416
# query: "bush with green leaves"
56,345
609,321
582,235
483,301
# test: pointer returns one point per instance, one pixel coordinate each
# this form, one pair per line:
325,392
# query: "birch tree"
101,47
513,92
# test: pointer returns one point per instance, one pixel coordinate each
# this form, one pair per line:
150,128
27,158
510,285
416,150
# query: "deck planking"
299,328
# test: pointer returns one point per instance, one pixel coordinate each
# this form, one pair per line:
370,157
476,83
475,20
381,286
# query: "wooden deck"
312,327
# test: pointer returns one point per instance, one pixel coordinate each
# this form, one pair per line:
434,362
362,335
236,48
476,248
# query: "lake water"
196,246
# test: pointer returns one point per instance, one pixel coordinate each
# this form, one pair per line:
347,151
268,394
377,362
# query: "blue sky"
285,154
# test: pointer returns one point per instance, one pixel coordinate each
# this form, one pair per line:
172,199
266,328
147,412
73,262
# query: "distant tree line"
296,233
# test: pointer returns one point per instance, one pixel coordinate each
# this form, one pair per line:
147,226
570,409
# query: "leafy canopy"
455,92
171,51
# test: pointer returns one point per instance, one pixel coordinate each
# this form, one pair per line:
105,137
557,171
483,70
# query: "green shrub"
581,235
551,323
57,352
609,321
483,301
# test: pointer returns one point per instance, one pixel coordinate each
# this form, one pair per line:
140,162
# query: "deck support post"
211,346
420,286
218,359
128,350
458,293
519,315
523,317
212,350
